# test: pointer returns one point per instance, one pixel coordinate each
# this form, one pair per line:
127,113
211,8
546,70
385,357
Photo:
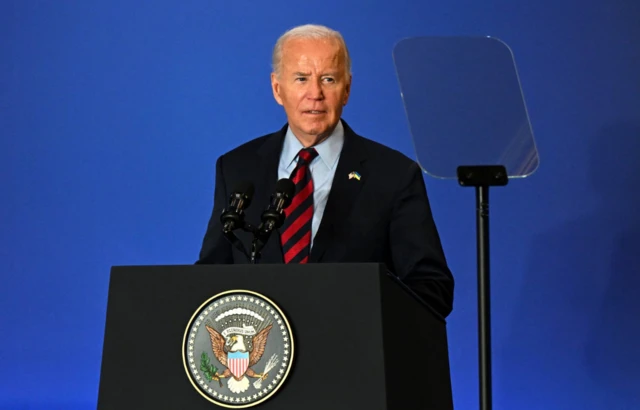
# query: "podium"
362,339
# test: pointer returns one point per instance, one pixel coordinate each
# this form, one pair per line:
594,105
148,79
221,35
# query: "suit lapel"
269,154
344,191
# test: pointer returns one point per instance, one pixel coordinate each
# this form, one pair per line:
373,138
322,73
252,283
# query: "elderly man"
355,200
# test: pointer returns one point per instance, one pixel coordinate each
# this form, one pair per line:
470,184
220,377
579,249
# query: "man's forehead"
297,46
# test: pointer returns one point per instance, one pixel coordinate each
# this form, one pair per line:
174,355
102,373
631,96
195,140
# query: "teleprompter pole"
482,177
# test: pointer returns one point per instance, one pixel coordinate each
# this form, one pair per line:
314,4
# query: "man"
356,200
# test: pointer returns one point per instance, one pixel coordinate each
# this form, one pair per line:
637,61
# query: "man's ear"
275,87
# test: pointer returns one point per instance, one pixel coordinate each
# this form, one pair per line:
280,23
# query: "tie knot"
306,155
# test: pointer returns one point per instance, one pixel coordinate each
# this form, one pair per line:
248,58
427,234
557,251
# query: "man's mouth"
314,112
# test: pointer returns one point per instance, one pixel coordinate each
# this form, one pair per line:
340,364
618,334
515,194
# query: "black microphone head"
246,188
233,215
286,187
274,215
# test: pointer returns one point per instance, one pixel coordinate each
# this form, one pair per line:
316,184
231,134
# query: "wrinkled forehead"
300,51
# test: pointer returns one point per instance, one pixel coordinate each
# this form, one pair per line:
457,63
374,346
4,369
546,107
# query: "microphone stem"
255,251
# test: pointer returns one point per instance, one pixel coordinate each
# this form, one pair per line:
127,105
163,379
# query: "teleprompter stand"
483,177
465,106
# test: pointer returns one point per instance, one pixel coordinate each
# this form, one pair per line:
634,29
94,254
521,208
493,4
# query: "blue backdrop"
112,115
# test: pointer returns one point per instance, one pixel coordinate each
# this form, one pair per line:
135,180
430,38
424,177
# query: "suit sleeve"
215,248
416,250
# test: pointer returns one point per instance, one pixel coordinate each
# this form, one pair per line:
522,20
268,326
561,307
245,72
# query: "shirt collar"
328,150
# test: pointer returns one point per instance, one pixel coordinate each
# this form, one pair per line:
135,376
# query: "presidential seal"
237,349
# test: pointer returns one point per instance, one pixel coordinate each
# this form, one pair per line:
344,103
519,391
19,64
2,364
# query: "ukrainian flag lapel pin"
354,175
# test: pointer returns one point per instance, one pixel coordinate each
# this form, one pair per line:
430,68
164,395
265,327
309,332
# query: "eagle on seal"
233,354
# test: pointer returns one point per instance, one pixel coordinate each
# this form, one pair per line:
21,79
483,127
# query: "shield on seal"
237,362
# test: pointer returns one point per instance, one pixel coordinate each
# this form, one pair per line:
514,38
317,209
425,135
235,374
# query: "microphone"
273,217
233,216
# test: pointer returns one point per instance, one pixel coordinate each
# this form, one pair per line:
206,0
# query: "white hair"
308,31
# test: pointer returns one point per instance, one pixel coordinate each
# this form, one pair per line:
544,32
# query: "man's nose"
315,90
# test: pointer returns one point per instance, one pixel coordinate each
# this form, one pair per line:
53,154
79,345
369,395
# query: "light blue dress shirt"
323,168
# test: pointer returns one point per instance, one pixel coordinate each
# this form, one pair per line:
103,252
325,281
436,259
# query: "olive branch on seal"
208,369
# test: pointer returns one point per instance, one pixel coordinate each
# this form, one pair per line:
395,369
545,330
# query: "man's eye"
301,79
329,79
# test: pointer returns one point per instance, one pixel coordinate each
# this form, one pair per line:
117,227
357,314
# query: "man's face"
313,86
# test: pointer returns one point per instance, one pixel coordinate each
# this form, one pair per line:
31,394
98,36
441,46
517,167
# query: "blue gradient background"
113,113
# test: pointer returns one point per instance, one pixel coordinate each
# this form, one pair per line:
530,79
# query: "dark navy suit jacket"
384,217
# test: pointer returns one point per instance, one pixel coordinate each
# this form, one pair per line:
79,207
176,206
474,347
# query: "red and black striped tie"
296,230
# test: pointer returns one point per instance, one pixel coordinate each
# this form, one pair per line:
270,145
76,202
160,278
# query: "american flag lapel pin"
354,175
